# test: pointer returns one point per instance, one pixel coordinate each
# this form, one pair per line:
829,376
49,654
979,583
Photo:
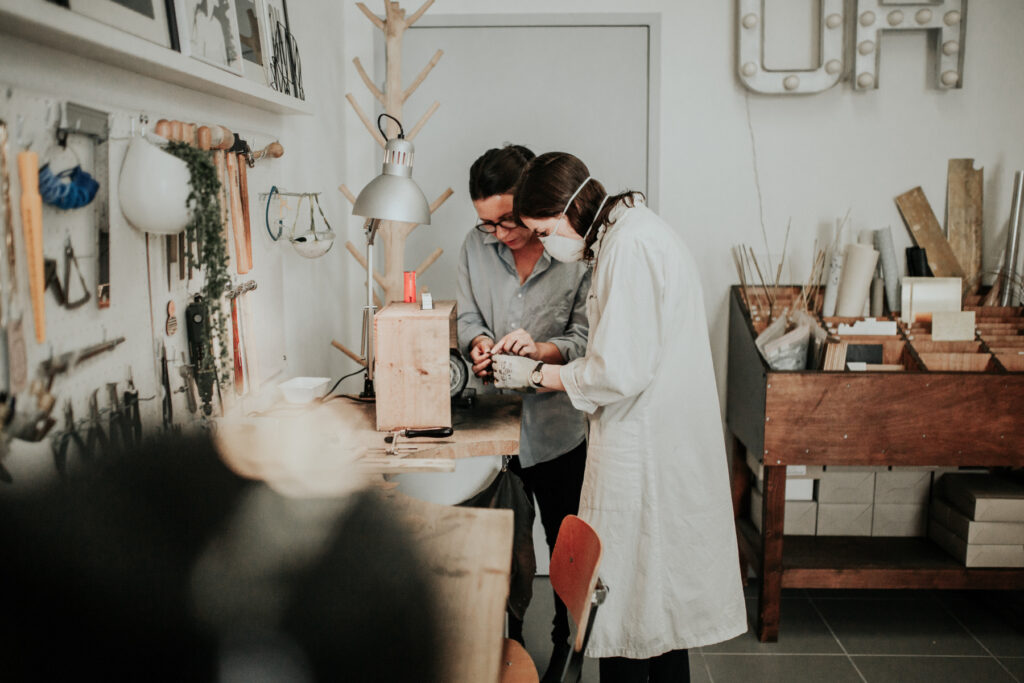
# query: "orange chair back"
574,564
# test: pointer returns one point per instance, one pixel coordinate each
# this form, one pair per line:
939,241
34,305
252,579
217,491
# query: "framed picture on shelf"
153,20
208,30
254,39
285,72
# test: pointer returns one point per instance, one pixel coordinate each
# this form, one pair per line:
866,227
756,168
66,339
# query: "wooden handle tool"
243,193
32,226
163,128
238,231
252,361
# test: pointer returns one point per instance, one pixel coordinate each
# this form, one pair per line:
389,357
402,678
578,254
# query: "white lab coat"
656,486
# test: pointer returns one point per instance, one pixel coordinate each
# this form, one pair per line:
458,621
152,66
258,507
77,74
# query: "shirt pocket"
614,473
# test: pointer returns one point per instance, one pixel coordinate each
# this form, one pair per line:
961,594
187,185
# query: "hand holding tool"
513,372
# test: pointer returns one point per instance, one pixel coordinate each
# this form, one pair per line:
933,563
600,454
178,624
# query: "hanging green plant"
206,248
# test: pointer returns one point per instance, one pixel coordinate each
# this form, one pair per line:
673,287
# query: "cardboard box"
844,486
796,489
792,471
977,533
801,516
899,520
983,497
844,519
903,487
974,555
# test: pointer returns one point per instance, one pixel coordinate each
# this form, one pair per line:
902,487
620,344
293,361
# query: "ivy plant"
205,246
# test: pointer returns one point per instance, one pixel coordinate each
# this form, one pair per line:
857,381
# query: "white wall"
817,155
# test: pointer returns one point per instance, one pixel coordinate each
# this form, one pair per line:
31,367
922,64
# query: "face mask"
70,189
566,249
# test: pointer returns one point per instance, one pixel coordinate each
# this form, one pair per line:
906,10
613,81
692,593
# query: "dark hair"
497,170
547,183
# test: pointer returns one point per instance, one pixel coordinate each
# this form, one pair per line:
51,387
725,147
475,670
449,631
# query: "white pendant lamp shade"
394,195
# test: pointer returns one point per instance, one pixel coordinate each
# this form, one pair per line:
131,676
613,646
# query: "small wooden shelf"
48,24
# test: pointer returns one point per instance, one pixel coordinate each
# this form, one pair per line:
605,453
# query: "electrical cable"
331,390
401,130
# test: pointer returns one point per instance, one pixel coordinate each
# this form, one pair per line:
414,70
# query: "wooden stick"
366,120
418,13
371,16
422,75
429,261
366,80
757,266
436,204
343,188
362,261
423,120
348,352
237,229
743,280
785,243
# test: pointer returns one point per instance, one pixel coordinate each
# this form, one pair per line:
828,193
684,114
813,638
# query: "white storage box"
890,519
839,485
304,389
973,555
844,519
801,515
903,487
984,497
979,533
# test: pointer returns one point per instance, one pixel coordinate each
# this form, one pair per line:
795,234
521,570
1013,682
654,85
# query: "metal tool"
165,382
62,444
133,431
96,441
118,429
189,383
67,361
434,433
205,371
69,259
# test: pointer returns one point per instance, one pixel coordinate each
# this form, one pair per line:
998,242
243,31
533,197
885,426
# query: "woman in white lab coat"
656,486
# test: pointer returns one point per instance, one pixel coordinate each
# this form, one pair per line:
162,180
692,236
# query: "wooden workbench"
322,450
858,418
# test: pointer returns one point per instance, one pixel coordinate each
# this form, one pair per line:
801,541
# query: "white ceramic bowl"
313,245
304,389
153,189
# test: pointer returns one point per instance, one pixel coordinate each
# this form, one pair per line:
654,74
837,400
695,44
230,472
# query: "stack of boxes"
801,515
979,519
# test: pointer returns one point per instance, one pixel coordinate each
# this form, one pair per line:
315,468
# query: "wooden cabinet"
914,417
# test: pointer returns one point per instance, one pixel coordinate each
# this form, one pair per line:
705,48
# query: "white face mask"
567,249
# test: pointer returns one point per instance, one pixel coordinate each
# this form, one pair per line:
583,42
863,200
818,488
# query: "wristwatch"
537,377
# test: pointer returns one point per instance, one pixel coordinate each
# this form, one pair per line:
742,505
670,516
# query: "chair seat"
516,664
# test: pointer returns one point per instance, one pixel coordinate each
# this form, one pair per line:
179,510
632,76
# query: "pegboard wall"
141,284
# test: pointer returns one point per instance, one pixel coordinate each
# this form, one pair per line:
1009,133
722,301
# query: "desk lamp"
391,196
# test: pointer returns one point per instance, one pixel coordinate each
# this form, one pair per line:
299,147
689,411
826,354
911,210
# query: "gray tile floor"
857,636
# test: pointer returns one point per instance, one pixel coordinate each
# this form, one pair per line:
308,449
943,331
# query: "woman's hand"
480,355
518,343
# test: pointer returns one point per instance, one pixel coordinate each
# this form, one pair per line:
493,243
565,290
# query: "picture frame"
284,71
208,31
152,20
254,38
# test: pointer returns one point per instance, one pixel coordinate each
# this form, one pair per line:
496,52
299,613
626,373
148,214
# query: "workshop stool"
574,564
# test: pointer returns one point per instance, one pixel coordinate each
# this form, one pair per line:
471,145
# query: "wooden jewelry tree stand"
392,97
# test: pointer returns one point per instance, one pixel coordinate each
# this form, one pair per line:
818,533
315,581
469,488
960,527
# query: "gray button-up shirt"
551,306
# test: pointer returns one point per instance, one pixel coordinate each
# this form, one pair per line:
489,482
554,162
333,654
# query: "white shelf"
48,24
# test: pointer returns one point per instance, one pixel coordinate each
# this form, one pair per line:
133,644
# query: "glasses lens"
485,227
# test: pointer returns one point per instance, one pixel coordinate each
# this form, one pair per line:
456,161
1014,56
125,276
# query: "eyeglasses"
505,224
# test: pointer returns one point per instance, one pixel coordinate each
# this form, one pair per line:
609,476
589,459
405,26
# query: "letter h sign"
872,18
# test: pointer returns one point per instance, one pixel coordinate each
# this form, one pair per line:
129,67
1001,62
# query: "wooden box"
411,374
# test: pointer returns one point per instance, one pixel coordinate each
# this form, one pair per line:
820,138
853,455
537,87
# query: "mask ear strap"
575,194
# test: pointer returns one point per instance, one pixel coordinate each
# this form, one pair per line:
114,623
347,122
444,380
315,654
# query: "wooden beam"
429,261
422,75
423,120
964,190
377,21
348,352
343,188
418,13
436,204
366,80
924,228
366,120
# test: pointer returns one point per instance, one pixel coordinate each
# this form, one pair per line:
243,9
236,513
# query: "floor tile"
802,632
729,668
931,669
1015,665
999,629
896,627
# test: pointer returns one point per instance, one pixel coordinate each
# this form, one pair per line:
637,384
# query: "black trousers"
555,485
671,667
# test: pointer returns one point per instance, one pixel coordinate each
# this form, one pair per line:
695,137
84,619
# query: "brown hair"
547,183
497,170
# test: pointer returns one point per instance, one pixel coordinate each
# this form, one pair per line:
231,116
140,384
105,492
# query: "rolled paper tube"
1013,230
890,268
828,306
866,237
410,287
877,297
855,285
917,263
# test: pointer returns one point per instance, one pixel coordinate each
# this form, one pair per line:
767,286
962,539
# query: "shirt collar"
505,254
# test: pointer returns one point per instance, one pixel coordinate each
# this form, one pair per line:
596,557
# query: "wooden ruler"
964,191
924,228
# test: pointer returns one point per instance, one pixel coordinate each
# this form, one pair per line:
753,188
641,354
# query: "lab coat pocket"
614,468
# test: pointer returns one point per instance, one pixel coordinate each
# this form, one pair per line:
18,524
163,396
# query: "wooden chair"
574,565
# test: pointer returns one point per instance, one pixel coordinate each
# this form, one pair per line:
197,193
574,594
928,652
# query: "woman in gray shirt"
509,284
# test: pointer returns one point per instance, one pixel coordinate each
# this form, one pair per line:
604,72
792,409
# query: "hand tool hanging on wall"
13,342
252,362
244,159
236,344
171,326
96,441
63,292
132,416
118,427
68,361
167,410
237,221
95,124
32,226
197,328
188,386
70,436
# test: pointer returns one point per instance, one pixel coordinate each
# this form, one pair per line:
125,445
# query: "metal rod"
264,195
1012,240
